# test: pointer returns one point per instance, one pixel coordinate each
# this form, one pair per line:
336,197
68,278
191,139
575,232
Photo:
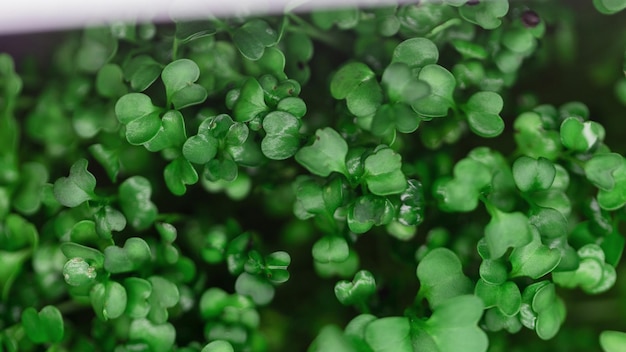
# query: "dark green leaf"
77,188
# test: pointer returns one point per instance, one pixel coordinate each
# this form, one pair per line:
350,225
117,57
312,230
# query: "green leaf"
344,18
258,288
107,220
416,52
160,337
45,326
138,290
128,258
401,86
251,101
613,341
172,133
201,148
327,154
454,326
609,7
178,174
390,334
581,136
483,109
77,272
331,249
348,78
440,100
135,110
179,77
109,81
506,296
108,300
534,259
358,291
134,198
398,117
533,139
382,172
593,275
165,294
331,338
282,139
506,230
533,174
218,346
253,37
141,71
74,250
368,211
108,158
77,188
29,193
469,50
486,14
441,277
601,167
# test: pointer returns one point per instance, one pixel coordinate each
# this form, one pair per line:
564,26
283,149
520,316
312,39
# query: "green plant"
164,187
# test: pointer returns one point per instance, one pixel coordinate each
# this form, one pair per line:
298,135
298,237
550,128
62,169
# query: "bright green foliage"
386,112
45,326
441,277
593,275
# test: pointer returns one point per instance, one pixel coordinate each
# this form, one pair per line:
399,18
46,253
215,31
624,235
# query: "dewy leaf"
441,277
390,334
581,136
327,154
253,37
367,211
416,52
383,173
179,77
358,291
135,110
45,326
134,198
77,188
532,175
282,138
483,109
506,230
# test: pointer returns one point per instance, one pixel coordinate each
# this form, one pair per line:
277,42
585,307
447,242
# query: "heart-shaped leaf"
134,198
253,37
330,249
600,168
282,138
135,110
141,71
593,274
327,154
454,326
179,77
138,290
128,258
109,81
160,337
411,210
507,296
535,141
251,101
389,334
531,175
368,211
486,14
77,272
398,117
108,300
45,326
256,287
401,86
171,134
441,277
178,174
344,269
439,100
382,172
358,291
165,294
416,52
534,259
77,188
581,136
107,220
483,114
507,230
